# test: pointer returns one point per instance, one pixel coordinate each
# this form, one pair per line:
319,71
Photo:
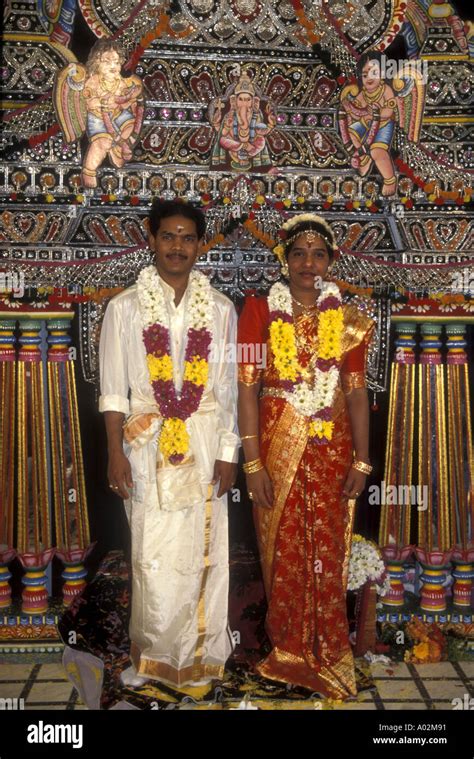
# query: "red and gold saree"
304,540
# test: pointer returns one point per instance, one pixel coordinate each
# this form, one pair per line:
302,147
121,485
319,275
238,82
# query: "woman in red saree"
305,463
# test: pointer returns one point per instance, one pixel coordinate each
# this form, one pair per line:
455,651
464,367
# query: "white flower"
151,300
366,563
150,297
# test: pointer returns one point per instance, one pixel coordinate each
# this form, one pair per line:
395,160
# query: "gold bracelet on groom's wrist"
362,466
253,466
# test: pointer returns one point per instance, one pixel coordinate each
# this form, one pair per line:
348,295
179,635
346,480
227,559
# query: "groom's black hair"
163,209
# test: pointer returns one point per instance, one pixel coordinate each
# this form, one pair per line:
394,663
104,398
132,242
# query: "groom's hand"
226,473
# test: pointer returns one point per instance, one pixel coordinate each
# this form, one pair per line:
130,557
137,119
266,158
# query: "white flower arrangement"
365,564
201,303
200,312
151,298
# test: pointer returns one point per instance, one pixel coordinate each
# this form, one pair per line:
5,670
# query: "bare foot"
88,181
389,187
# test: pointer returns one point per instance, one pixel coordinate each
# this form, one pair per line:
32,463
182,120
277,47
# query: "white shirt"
124,378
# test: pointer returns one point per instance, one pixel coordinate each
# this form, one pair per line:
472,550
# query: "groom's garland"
313,400
175,408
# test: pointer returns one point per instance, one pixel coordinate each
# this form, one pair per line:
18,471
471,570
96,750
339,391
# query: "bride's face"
308,261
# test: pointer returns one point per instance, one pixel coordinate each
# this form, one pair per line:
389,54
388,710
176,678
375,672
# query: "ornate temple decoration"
97,100
254,111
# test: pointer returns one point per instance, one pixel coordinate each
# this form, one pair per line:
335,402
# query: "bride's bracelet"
362,466
253,466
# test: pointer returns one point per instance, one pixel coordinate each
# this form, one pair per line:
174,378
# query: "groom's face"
176,246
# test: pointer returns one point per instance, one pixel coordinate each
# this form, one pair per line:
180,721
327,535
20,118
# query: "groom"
169,401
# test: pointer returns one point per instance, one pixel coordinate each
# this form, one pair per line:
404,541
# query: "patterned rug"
96,626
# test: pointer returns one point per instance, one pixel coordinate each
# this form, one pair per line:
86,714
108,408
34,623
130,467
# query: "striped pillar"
435,542
34,537
7,448
69,490
461,464
394,531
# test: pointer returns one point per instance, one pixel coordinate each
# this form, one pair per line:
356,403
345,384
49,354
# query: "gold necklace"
372,96
306,309
108,85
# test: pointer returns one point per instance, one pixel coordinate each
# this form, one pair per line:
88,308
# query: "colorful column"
34,539
69,492
461,464
394,533
435,543
7,447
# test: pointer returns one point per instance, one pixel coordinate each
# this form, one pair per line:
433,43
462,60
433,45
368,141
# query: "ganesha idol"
241,132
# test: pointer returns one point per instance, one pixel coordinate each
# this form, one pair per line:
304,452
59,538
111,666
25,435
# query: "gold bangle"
247,437
254,469
253,466
254,461
362,466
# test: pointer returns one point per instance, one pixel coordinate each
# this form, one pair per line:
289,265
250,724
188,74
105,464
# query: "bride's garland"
174,407
313,400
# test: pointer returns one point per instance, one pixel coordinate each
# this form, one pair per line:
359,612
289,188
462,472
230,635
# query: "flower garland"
174,407
315,400
366,563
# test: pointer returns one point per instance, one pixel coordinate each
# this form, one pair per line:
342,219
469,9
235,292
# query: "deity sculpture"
370,109
241,132
98,100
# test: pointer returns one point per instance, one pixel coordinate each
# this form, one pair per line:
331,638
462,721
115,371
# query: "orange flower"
421,651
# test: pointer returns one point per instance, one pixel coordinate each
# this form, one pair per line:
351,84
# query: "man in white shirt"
165,371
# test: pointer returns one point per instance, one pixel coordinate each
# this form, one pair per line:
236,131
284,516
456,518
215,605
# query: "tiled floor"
41,686
398,686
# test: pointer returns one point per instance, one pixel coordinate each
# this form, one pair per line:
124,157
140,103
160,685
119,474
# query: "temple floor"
389,687
94,634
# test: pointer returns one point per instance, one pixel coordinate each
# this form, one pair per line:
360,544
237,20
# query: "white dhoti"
179,528
180,590
180,559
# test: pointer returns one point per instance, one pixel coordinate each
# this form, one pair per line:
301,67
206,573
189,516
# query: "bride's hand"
354,484
260,488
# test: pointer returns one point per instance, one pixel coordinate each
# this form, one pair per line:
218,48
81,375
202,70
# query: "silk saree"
304,540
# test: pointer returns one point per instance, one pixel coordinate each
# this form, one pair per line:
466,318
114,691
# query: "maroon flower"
325,414
330,302
199,341
156,339
281,315
324,364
